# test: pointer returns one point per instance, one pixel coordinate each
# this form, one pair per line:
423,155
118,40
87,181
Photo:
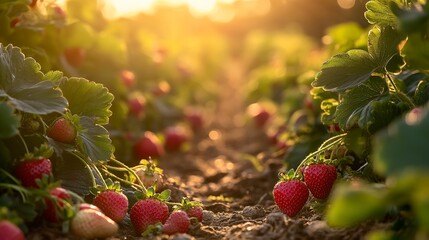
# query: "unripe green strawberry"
62,130
290,196
319,179
56,204
147,212
9,231
177,222
29,170
113,204
89,223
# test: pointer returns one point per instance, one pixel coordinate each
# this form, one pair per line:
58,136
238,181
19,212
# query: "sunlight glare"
199,7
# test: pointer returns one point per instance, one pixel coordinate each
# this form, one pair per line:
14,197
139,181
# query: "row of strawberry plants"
59,139
373,99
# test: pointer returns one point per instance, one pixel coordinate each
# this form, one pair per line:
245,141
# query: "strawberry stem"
22,191
324,146
23,143
136,186
132,172
94,183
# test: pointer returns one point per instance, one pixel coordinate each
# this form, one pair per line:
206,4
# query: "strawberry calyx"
187,204
150,192
290,175
110,186
44,151
152,230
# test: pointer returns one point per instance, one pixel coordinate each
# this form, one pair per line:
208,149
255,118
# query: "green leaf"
421,95
383,45
379,12
345,70
353,205
416,52
21,82
94,140
9,121
382,113
53,76
354,106
165,195
403,145
88,99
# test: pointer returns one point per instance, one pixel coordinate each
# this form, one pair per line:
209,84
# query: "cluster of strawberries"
291,194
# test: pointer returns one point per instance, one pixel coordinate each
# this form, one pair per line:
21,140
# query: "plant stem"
22,191
117,168
136,186
392,82
23,142
322,148
94,183
132,172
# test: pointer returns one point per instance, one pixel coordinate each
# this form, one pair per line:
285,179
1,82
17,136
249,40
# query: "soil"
236,193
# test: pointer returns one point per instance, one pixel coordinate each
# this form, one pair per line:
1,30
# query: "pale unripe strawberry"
89,223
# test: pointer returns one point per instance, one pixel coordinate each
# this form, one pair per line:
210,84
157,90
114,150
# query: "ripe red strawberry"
259,114
75,56
195,119
89,223
319,179
56,204
28,171
137,104
62,130
10,231
146,212
112,203
128,78
175,137
196,212
177,222
290,196
148,146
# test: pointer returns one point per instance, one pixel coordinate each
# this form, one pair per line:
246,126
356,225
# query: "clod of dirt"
275,218
208,217
182,236
253,211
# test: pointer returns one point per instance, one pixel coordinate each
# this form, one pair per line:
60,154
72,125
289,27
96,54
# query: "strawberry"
290,196
149,174
112,203
319,179
192,208
29,170
146,212
196,212
56,204
137,104
175,137
259,114
177,222
10,231
62,130
128,78
83,206
194,118
148,146
89,223
75,56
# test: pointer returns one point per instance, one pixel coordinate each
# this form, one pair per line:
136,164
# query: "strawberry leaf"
403,145
353,205
21,82
350,69
88,99
355,105
94,140
345,70
379,12
9,122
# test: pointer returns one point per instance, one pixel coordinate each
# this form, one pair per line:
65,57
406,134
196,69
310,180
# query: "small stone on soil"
253,211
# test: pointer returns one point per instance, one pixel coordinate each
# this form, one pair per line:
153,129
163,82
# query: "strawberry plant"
373,102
